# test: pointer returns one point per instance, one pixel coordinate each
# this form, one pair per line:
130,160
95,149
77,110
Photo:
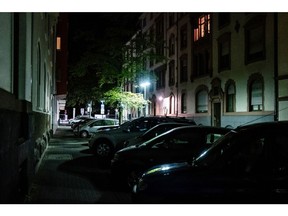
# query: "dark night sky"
86,28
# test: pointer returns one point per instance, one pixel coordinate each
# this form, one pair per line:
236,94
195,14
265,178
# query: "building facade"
27,88
221,69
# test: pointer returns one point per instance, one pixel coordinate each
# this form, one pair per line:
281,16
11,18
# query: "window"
255,40
203,27
160,73
172,45
160,37
202,101
172,73
256,96
223,19
183,37
224,52
58,43
172,104
183,68
183,103
255,92
171,19
230,96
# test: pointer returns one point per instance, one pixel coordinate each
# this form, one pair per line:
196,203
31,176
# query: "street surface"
70,174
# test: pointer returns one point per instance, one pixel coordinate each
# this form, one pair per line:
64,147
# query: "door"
216,114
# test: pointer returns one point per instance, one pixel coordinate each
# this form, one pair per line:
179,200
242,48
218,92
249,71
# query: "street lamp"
144,85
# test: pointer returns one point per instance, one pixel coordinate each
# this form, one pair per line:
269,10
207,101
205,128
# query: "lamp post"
144,85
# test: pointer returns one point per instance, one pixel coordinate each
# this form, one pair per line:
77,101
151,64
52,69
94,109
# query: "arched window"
183,103
230,91
202,101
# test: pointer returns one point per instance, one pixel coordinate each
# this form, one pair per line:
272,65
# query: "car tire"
84,134
103,150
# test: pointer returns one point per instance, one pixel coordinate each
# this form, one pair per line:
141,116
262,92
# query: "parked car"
247,165
80,123
93,126
104,144
176,145
153,132
78,119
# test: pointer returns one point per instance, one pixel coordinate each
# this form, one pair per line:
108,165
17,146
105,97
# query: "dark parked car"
247,165
176,145
153,132
105,143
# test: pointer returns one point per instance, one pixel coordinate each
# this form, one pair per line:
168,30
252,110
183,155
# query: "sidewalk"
69,174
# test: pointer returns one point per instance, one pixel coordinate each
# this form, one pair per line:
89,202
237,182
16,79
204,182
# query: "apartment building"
27,88
221,69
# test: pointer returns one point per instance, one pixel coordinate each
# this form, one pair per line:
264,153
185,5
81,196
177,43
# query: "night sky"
88,30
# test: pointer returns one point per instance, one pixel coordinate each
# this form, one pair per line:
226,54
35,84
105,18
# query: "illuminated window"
202,101
58,43
203,27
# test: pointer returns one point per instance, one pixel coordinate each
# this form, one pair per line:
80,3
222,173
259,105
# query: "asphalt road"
70,174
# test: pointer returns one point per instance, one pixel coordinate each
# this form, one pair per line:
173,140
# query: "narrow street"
70,174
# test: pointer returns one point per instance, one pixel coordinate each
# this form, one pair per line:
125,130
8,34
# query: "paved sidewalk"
70,174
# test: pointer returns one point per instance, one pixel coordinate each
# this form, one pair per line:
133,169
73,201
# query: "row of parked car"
173,160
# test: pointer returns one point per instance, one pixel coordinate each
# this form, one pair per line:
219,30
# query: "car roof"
263,125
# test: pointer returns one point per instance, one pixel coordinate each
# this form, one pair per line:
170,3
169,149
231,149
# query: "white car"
95,125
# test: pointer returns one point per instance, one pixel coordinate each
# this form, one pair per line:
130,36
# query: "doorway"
216,114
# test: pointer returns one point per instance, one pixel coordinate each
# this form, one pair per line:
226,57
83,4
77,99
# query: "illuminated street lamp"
144,85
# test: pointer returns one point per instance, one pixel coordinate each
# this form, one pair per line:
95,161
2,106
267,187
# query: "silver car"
93,126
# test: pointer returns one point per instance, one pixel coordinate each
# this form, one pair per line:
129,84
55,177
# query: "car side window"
142,125
248,158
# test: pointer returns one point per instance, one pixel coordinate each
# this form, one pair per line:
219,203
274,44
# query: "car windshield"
155,139
218,148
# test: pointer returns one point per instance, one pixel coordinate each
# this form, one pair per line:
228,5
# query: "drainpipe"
177,62
276,85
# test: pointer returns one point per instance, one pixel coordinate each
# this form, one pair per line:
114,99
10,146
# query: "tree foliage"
115,97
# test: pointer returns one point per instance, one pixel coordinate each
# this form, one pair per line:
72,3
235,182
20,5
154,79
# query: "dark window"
223,19
171,19
183,68
160,73
255,40
172,73
172,45
183,37
224,52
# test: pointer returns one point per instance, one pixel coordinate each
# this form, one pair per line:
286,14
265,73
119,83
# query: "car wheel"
84,134
103,150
